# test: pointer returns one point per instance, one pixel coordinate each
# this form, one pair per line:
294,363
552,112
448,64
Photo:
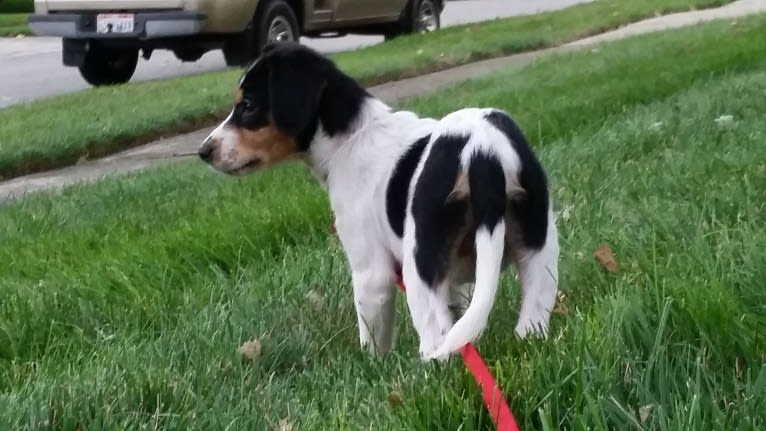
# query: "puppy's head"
275,111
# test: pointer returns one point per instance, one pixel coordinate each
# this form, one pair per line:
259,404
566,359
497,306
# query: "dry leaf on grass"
250,350
724,120
395,398
560,308
606,258
285,425
644,412
315,298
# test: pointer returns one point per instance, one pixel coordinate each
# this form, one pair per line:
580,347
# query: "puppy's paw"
439,355
427,348
532,327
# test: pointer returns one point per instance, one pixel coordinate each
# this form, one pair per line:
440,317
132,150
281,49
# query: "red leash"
493,398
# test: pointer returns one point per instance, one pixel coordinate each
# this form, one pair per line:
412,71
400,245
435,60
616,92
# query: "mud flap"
73,51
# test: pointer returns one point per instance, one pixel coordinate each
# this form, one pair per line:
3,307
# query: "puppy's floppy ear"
296,84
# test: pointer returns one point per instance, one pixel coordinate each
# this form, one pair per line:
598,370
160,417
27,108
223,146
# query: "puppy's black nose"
205,152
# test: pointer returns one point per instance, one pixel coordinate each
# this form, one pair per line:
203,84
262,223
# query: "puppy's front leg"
373,276
375,298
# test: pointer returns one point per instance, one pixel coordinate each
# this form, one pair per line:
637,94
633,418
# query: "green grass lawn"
62,130
122,303
12,24
13,17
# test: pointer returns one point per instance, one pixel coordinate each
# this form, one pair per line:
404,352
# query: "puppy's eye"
249,106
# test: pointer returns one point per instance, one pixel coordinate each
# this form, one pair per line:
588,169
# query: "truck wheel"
419,16
108,65
274,21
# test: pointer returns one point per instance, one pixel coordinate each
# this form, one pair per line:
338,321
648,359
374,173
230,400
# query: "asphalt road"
30,68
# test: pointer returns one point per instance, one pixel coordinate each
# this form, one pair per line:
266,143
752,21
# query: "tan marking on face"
266,144
237,95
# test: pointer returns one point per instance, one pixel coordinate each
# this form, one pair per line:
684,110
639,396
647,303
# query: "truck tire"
276,23
108,65
419,16
273,21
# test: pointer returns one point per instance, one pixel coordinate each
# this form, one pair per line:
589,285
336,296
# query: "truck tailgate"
72,5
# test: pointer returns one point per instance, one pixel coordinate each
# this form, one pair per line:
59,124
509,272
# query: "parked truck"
103,38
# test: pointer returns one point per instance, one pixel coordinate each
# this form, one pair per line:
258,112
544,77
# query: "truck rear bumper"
147,25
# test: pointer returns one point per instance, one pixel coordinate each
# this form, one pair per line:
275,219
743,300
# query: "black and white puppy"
448,202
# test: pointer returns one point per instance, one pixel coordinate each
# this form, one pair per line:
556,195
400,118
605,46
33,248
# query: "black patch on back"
399,185
299,89
436,220
486,180
531,211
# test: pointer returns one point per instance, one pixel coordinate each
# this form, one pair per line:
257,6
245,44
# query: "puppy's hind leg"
427,297
425,275
538,273
429,308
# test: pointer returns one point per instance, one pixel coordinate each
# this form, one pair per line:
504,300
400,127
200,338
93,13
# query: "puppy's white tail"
488,201
489,255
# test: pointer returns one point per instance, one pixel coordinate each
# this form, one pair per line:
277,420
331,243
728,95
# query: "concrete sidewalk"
168,150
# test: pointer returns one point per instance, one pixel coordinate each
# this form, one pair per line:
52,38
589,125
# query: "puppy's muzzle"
205,151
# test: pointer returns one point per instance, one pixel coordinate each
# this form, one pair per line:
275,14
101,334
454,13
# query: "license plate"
114,23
